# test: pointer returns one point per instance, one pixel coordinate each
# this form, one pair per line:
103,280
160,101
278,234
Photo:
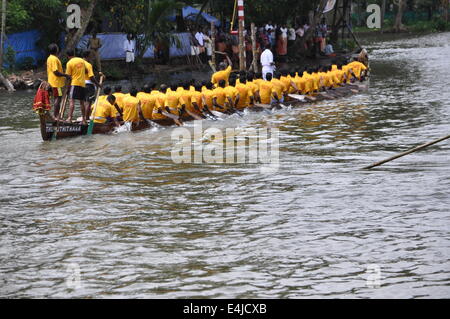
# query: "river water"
114,216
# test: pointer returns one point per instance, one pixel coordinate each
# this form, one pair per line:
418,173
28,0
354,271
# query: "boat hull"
50,128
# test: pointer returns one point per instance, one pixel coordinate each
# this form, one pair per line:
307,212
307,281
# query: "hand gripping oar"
407,152
91,121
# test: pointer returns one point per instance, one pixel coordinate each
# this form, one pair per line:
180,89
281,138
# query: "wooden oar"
418,148
174,117
194,115
298,97
62,109
92,118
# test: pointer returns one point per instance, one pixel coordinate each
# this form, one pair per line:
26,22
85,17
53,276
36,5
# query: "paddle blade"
90,127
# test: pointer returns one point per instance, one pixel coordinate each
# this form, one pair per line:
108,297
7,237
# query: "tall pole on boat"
241,35
213,43
2,35
254,51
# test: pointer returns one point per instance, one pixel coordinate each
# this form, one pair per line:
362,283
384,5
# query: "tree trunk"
73,38
313,20
383,11
197,18
398,26
445,5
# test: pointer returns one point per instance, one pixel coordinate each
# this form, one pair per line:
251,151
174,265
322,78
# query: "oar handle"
96,98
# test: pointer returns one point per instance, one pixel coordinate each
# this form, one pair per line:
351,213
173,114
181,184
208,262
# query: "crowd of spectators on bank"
282,39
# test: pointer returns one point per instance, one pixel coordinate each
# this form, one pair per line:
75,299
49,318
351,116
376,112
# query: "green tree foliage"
147,20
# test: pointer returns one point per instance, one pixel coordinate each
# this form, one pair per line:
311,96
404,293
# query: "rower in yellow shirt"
278,86
253,86
147,100
223,74
185,96
357,68
219,97
232,95
197,101
172,101
267,92
207,97
159,106
285,79
119,96
245,93
258,79
298,80
132,111
105,111
189,102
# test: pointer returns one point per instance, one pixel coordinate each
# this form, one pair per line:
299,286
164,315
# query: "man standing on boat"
76,68
91,84
223,73
268,66
56,77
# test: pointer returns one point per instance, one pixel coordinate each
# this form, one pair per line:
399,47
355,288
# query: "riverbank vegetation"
156,21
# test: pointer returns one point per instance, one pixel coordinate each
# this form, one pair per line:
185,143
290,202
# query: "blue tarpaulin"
191,13
24,44
112,46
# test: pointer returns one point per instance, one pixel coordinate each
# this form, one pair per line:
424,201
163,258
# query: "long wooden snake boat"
49,126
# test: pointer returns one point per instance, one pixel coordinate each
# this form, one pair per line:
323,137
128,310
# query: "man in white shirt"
269,26
129,46
199,36
268,66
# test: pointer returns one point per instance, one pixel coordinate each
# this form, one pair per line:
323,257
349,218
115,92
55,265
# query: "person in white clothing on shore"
129,46
268,66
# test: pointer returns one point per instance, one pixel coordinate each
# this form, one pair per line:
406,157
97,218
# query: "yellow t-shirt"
253,86
147,104
316,81
89,70
103,111
172,101
221,75
278,88
286,80
300,82
130,109
258,82
220,94
245,93
119,99
159,105
357,67
185,98
208,95
54,64
265,92
231,92
197,98
76,68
